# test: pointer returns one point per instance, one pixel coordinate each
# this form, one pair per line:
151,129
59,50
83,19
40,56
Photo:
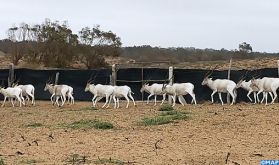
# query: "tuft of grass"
32,161
89,108
77,159
166,108
158,120
108,161
165,118
176,115
2,161
88,124
34,125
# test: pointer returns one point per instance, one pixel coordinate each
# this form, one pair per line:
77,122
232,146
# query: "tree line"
53,44
190,54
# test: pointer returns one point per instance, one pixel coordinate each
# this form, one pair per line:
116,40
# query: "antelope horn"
48,80
243,76
209,73
144,82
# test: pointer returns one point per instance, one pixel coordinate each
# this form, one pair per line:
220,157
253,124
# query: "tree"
55,45
17,37
96,44
244,47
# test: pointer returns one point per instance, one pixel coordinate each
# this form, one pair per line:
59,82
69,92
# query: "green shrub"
165,118
166,108
88,124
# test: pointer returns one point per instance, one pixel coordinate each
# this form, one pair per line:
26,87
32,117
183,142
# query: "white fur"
154,89
59,91
27,91
266,85
180,89
99,91
12,92
122,91
246,85
221,86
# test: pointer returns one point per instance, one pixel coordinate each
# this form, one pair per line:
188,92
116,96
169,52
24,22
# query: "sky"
165,23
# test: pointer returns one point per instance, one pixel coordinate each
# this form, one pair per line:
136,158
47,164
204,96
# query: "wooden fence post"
56,78
170,80
229,76
11,75
113,74
142,94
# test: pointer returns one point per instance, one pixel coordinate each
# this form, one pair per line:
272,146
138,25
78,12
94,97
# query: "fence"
78,78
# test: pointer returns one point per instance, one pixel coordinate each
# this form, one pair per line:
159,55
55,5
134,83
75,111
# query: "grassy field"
201,134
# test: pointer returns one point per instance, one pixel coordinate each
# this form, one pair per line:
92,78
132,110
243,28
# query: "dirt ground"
249,133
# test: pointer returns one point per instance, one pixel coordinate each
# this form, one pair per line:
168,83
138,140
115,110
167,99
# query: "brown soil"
248,132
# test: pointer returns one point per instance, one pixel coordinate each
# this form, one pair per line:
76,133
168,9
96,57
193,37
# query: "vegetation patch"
165,118
108,161
88,124
34,125
176,115
2,161
166,108
76,159
32,161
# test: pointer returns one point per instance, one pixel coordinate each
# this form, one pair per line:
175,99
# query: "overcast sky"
166,23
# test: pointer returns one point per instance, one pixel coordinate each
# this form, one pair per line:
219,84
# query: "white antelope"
180,89
59,91
154,89
122,91
246,85
12,92
50,88
99,91
27,91
71,99
266,85
221,86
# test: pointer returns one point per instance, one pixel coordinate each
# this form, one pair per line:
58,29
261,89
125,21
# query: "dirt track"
248,132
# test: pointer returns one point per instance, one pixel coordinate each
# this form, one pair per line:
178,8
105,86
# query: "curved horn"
48,80
209,73
144,82
243,76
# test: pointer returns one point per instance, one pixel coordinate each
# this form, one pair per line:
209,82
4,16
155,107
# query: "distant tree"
245,47
96,44
57,43
51,43
17,36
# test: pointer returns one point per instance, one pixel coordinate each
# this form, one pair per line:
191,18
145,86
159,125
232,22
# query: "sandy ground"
249,133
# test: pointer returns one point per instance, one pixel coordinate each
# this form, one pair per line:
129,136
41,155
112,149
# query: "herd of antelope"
265,85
